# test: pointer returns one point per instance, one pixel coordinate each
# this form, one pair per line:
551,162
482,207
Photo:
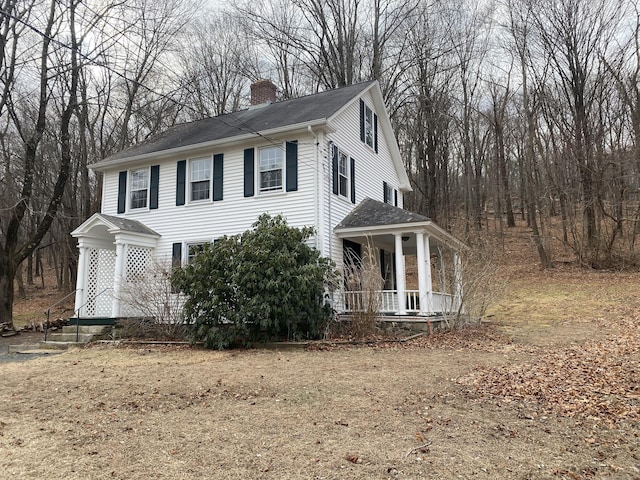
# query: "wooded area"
502,109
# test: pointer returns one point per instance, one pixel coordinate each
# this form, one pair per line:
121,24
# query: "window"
389,196
368,126
343,174
270,162
193,249
139,188
200,179
343,169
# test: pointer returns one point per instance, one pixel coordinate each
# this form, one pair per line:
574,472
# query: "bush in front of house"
263,285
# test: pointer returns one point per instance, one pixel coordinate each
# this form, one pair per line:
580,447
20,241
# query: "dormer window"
139,188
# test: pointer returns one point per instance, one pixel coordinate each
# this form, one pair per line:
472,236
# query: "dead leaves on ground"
598,380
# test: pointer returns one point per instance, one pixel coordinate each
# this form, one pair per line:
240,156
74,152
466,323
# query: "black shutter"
362,134
384,195
153,190
176,255
181,179
292,166
249,167
383,268
334,168
375,132
218,161
122,192
353,181
395,195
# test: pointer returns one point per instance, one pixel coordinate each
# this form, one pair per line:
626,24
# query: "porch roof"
374,218
114,225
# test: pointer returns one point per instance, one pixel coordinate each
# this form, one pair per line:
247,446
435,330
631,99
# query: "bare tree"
31,129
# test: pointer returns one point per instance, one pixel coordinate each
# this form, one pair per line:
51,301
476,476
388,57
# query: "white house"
328,160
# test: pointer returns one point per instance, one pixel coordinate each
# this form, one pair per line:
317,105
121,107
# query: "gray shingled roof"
257,119
128,225
373,213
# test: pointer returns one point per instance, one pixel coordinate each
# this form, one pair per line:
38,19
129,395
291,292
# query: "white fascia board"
385,124
197,148
135,239
429,228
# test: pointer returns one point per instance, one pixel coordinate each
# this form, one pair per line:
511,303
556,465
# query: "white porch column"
400,276
425,283
423,287
121,259
457,275
81,279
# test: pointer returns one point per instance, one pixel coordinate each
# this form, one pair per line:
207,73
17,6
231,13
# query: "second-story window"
200,179
139,188
271,172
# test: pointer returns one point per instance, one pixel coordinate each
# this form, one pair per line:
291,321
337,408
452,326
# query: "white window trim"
189,181
347,193
129,206
390,194
187,257
369,121
283,161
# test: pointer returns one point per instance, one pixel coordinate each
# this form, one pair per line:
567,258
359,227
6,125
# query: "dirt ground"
548,387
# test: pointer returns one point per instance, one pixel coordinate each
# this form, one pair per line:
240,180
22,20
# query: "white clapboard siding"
198,222
371,169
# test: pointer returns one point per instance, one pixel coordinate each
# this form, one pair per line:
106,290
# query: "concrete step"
90,329
70,337
54,345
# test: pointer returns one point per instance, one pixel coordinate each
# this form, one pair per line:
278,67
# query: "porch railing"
48,312
357,301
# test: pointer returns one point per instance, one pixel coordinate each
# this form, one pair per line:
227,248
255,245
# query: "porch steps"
76,336
88,330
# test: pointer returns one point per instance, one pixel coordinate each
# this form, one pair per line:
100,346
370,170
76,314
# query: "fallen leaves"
598,380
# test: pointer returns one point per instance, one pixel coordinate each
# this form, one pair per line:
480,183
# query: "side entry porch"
405,263
113,250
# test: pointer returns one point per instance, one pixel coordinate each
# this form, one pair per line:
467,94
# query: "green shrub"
263,285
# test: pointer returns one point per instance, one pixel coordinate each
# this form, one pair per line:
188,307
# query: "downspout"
316,191
330,197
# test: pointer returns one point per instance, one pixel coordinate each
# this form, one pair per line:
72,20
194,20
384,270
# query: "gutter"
176,152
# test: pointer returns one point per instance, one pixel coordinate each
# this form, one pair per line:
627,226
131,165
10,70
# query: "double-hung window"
271,169
193,249
389,194
343,174
368,126
200,179
139,188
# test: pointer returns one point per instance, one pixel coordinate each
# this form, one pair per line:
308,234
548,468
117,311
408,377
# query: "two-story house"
328,160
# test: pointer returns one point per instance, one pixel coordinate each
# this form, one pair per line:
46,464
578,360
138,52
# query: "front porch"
411,266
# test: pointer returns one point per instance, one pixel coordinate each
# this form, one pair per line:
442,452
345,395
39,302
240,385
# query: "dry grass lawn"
496,402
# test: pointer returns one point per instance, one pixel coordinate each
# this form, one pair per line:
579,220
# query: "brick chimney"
263,91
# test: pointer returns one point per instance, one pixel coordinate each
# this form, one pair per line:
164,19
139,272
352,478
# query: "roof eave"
174,152
404,183
429,227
